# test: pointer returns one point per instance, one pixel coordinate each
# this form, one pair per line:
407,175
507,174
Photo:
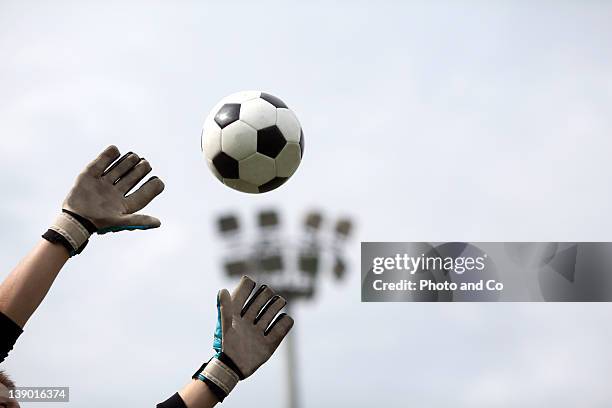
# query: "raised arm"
249,330
99,202
27,285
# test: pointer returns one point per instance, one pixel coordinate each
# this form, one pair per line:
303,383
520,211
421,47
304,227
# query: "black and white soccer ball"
252,141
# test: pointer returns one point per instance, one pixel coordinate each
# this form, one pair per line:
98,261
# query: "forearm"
196,394
27,285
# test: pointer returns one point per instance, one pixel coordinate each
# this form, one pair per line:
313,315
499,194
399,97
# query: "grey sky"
455,121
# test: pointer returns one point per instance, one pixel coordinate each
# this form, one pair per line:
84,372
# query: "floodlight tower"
291,267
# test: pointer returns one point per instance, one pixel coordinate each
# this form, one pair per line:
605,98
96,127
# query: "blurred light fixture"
344,227
271,263
228,224
309,263
313,221
268,219
236,268
339,268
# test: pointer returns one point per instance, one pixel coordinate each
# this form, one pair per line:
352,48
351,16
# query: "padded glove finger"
140,198
270,310
279,328
133,177
256,303
99,164
242,291
121,167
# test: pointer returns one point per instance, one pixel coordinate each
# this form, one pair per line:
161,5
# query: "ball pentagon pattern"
252,142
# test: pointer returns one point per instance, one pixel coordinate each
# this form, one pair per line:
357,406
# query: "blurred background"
466,121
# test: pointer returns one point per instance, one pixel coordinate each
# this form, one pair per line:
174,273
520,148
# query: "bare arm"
196,394
99,202
248,332
25,288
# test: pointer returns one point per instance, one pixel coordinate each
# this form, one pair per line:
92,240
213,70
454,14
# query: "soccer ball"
252,141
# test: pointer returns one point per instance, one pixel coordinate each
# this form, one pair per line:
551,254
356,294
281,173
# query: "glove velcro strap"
70,228
221,375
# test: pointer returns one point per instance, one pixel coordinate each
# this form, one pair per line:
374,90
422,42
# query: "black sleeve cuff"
174,401
9,333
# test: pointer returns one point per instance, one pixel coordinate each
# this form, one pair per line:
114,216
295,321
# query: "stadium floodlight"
271,263
313,221
268,219
228,224
309,263
290,266
236,268
339,267
344,227
306,292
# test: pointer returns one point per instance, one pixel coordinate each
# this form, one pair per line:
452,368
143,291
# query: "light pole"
292,369
291,267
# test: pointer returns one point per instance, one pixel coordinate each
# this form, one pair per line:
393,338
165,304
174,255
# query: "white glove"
246,336
99,200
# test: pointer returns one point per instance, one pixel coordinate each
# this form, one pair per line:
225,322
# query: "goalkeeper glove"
246,336
99,200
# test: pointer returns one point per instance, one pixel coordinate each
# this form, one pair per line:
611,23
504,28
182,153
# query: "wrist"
196,394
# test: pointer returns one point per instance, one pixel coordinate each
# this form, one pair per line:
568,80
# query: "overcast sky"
455,121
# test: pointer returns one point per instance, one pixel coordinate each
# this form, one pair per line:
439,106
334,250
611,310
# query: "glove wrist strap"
220,377
69,230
